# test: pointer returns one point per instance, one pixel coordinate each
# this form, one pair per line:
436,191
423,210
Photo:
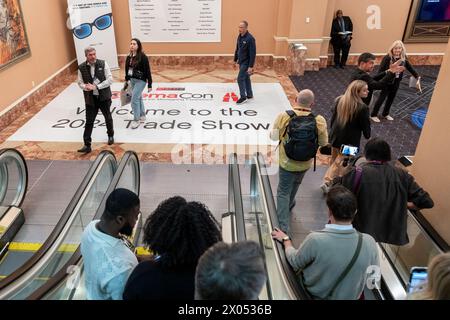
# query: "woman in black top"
396,52
178,233
137,71
350,119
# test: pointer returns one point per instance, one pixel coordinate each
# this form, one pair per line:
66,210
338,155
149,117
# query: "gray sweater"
325,254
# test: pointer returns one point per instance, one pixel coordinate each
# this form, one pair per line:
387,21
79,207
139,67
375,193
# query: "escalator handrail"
429,230
19,272
24,182
74,260
235,196
287,273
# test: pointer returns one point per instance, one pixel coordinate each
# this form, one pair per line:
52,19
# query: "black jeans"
389,92
338,59
91,114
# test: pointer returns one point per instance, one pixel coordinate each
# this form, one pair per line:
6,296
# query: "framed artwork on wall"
428,21
14,44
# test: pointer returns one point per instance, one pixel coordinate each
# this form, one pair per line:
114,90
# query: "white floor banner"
177,113
93,26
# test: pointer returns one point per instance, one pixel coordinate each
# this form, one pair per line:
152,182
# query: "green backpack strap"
349,266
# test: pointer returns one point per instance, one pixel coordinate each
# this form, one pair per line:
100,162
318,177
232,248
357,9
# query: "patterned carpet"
402,134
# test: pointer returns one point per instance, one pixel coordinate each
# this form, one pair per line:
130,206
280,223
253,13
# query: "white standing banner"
177,113
92,25
176,20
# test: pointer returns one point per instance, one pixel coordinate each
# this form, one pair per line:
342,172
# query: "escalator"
13,187
397,261
66,281
250,216
255,217
66,234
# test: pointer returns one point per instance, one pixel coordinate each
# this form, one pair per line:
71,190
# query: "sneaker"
249,97
388,117
375,119
135,124
241,101
325,188
142,119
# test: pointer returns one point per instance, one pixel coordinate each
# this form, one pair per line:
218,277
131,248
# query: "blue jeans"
245,85
287,189
137,104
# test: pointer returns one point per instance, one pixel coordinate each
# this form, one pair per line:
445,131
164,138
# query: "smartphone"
347,150
405,160
417,279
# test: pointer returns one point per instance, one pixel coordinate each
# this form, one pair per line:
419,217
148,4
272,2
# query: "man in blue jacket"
244,56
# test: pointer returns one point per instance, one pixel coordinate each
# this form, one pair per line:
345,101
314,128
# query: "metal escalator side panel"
4,182
234,218
286,273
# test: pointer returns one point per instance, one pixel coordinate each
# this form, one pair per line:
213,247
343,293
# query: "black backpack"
303,138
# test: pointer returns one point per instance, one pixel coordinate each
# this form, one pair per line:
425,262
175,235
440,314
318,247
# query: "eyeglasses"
85,30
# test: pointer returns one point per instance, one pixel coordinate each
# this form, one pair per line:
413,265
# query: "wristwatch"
286,239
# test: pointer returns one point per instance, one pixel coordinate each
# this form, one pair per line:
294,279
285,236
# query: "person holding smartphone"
137,71
350,119
397,52
437,275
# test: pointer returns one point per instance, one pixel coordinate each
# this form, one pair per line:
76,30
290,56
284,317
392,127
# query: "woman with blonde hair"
350,119
438,282
396,52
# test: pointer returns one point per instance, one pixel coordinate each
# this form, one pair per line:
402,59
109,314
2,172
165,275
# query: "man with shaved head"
291,171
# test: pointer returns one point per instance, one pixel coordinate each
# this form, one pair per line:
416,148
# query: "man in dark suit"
341,36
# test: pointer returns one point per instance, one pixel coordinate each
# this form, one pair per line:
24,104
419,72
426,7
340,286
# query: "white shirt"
102,85
108,262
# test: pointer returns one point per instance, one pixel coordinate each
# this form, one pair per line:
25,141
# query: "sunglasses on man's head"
84,30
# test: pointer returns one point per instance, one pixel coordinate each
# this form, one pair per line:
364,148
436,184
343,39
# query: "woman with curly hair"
178,233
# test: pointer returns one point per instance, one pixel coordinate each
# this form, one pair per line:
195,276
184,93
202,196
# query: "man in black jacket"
366,64
244,56
95,79
341,36
384,194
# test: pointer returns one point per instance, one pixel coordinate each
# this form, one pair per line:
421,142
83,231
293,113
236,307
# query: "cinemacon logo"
228,97
172,96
